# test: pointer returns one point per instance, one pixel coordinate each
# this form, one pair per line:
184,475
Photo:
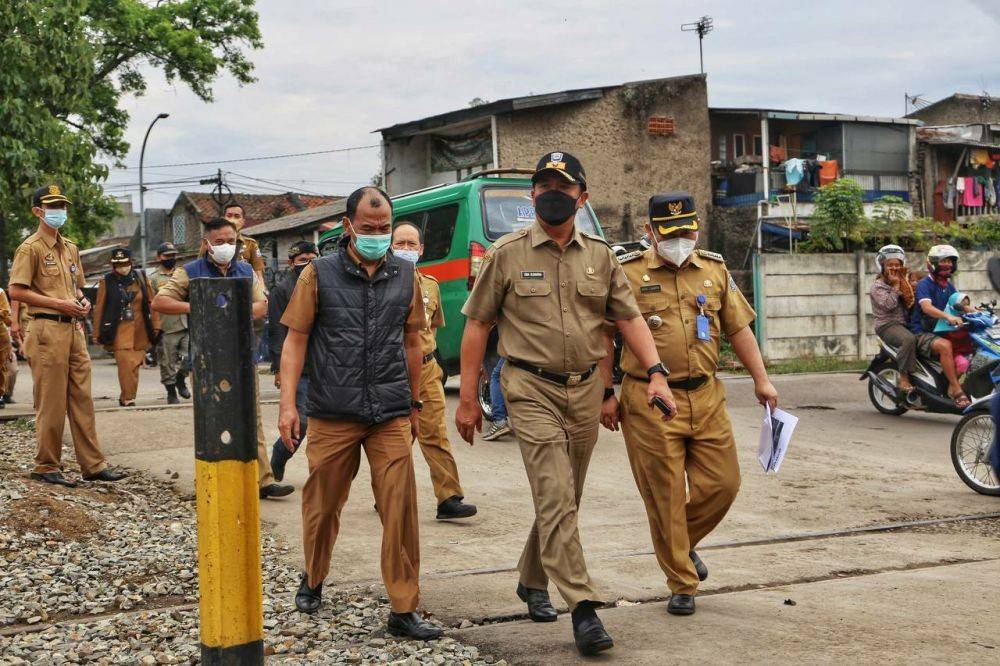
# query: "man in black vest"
357,312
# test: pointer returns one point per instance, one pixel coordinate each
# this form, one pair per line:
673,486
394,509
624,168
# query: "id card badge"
704,326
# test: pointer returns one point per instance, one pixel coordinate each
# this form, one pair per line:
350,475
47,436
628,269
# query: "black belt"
571,379
427,359
689,384
66,319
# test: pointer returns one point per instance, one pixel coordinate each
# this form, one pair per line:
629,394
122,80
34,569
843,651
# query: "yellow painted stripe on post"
231,605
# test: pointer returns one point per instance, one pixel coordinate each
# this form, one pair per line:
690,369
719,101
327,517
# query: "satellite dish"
993,270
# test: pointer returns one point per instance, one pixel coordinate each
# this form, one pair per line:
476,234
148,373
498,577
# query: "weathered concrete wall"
811,301
959,111
625,165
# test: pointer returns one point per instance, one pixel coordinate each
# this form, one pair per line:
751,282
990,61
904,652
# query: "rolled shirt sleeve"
488,291
177,287
621,300
23,270
736,313
415,319
300,315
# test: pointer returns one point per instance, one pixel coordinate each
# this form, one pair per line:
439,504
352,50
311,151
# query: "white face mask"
223,254
676,250
411,256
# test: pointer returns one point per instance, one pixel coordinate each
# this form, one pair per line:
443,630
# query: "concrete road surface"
891,596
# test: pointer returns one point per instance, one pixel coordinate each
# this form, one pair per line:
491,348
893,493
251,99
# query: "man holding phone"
688,299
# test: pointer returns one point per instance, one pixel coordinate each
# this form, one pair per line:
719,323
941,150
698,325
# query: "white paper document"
775,434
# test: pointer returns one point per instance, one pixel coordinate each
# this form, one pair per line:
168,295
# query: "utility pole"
142,191
702,26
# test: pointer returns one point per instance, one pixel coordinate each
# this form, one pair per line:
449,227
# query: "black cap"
166,248
673,211
565,165
121,255
302,247
48,194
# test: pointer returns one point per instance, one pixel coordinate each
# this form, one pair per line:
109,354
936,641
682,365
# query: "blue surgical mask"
55,217
372,247
411,256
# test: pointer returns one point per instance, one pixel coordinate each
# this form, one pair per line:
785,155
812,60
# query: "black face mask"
298,268
555,207
168,263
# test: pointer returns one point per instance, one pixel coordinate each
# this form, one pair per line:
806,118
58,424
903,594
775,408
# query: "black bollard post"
225,440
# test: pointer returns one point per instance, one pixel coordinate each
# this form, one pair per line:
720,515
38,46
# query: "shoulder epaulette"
711,255
507,239
429,277
629,256
595,237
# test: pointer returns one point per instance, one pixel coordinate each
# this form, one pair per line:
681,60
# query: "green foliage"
838,219
64,67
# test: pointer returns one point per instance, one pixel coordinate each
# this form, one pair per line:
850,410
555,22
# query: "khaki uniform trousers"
60,370
170,355
698,447
433,435
556,429
265,477
129,361
334,454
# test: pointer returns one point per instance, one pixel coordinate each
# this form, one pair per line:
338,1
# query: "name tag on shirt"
647,288
532,275
704,328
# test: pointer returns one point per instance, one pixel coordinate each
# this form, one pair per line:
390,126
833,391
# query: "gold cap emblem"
675,207
54,189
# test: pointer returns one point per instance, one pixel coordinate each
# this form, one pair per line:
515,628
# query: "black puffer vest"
356,362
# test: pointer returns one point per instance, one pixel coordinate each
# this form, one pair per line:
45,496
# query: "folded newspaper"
775,434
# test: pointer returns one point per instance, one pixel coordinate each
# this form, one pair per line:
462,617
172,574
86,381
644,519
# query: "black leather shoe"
54,478
699,566
539,605
681,604
589,633
182,389
126,403
307,599
172,396
453,507
411,625
106,475
276,490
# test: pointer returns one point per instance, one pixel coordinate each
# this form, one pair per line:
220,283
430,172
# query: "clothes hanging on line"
794,171
973,194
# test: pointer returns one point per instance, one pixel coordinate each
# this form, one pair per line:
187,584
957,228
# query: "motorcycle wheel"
970,446
881,401
485,404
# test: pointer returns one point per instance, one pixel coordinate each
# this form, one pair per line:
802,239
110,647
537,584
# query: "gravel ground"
107,574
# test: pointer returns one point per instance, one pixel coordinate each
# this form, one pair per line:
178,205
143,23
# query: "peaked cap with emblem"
48,194
673,211
565,165
121,255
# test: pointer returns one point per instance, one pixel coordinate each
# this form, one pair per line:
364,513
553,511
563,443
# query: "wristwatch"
658,368
417,405
609,392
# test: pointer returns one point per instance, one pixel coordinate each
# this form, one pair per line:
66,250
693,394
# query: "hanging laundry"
794,171
990,192
979,157
828,172
948,195
778,154
973,194
960,184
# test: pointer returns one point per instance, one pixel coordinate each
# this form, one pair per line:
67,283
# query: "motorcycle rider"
892,297
932,294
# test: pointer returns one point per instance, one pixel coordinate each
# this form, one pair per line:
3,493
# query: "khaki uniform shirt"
430,294
550,303
177,287
668,299
129,334
300,314
250,253
5,321
49,266
158,278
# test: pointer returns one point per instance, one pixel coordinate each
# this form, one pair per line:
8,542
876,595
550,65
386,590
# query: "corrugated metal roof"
298,220
780,114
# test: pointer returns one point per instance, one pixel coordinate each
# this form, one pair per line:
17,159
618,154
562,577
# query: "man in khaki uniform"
18,328
549,288
47,276
219,262
173,348
357,313
432,433
689,300
249,248
123,322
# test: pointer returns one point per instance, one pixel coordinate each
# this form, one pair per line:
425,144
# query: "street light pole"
142,191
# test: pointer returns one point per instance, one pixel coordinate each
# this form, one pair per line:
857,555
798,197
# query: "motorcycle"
973,435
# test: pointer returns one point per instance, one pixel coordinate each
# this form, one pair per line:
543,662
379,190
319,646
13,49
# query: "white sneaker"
497,430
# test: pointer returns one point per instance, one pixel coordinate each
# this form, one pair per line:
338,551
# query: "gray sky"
332,72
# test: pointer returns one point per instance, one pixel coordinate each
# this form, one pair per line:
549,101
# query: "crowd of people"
353,351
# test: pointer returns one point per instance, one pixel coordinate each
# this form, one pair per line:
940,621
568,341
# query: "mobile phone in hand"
662,406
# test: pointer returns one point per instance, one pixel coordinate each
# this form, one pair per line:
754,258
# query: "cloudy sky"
332,71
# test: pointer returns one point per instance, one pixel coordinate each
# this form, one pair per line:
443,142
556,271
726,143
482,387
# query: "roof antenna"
702,26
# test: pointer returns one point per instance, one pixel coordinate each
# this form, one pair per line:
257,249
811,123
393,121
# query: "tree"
65,66
838,218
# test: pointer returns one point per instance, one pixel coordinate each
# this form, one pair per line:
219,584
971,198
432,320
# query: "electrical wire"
259,158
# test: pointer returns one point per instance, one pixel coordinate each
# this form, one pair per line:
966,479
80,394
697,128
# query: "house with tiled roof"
191,210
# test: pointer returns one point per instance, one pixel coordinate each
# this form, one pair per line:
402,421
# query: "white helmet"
939,252
886,253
